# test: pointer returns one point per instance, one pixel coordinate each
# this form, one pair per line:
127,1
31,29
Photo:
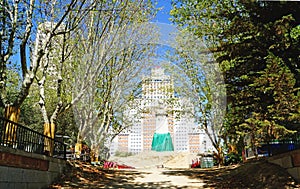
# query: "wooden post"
78,148
94,154
11,113
49,131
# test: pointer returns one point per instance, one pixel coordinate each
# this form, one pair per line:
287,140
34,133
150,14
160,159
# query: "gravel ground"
254,174
154,159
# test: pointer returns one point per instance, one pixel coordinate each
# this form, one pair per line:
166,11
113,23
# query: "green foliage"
232,158
295,33
31,115
12,82
257,46
66,126
108,56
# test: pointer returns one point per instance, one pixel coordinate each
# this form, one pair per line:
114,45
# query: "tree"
18,21
19,33
275,87
244,37
248,94
122,42
199,80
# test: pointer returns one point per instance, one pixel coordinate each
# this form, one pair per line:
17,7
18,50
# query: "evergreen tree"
257,46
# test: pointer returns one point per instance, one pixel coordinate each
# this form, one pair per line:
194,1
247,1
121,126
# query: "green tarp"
162,142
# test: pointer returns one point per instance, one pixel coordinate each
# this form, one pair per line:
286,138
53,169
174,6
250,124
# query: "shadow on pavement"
212,178
256,175
83,176
250,175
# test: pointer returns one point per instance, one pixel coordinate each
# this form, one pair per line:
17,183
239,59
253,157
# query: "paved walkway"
163,178
143,178
254,174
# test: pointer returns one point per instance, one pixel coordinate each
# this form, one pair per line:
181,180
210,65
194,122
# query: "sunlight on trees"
255,44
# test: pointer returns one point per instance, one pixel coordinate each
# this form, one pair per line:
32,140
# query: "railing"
275,148
16,136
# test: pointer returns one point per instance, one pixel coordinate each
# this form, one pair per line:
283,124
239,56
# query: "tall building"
159,113
185,128
52,48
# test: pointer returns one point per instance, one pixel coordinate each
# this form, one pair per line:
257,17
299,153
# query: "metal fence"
19,137
278,147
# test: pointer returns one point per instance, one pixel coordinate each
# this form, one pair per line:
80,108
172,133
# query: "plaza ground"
253,174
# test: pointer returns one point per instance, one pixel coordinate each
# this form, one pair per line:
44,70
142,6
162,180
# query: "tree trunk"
220,156
11,113
78,146
94,153
78,149
49,131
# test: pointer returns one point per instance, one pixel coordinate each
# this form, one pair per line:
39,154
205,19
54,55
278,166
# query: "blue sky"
163,20
163,15
166,29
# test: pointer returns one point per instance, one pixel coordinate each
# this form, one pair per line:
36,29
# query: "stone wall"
19,169
290,161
